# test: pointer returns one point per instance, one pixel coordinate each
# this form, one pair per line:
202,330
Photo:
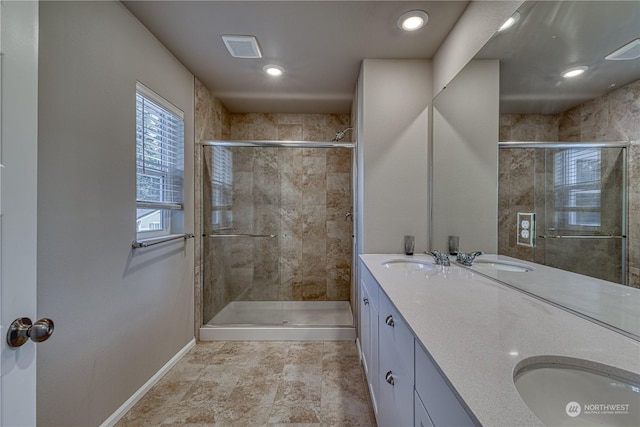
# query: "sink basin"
495,265
408,265
573,395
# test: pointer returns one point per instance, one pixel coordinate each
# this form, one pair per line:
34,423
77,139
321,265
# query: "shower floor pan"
281,321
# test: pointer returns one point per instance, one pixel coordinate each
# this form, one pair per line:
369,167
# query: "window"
159,164
577,183
222,188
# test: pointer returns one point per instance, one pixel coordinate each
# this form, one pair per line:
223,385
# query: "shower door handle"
242,235
583,237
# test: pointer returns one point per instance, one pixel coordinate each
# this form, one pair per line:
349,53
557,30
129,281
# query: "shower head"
340,134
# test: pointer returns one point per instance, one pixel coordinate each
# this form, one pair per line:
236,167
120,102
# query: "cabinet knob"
389,321
365,301
389,377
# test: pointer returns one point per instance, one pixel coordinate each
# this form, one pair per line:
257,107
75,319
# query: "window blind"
159,153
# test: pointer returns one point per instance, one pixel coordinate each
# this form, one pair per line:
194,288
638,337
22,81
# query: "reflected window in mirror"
577,188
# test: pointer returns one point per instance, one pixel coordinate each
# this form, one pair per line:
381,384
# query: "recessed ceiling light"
413,20
510,22
574,72
273,70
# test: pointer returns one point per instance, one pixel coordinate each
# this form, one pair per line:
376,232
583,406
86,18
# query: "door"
18,186
584,211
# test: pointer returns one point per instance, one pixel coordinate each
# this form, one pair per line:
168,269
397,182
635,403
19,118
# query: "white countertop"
478,330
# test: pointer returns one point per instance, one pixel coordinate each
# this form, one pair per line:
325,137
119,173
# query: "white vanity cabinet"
406,387
368,316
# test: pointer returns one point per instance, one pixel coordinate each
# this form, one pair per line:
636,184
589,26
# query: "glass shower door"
242,226
583,228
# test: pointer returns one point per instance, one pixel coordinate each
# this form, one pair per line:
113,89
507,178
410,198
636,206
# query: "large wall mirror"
565,148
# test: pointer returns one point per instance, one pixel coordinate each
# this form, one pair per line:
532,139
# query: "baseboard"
122,410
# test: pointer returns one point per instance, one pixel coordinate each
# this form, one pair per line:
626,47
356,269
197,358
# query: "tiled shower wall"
211,122
613,117
299,194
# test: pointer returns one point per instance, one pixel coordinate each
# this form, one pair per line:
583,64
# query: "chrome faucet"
467,259
440,258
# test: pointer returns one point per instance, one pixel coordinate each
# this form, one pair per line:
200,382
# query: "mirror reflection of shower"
578,193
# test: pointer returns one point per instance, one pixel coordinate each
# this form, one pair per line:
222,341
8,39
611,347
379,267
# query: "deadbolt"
22,329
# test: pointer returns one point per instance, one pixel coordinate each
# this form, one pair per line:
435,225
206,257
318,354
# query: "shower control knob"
22,329
365,301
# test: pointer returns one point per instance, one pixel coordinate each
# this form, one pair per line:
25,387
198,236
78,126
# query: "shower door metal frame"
578,145
301,144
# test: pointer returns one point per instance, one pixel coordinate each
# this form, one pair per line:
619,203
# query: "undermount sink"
495,265
404,264
569,394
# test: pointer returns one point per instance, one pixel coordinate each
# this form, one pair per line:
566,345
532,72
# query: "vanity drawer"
396,333
440,402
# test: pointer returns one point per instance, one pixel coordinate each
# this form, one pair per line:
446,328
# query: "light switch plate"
526,229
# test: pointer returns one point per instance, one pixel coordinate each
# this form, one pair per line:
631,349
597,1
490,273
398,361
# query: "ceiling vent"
242,46
628,52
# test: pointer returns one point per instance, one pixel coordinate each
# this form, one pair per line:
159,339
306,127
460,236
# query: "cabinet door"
369,343
395,385
420,416
440,401
365,329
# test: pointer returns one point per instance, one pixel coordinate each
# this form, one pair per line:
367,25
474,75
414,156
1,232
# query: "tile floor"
260,383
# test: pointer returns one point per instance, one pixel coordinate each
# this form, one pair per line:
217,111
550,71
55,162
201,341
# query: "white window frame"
171,221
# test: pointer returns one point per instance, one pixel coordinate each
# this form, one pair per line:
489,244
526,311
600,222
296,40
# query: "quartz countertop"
478,331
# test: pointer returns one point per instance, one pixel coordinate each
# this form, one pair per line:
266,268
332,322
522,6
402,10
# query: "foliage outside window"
159,163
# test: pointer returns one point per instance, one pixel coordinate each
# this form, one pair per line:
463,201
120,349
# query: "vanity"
448,346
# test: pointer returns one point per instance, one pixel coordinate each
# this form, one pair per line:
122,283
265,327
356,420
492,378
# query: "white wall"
120,314
393,141
465,159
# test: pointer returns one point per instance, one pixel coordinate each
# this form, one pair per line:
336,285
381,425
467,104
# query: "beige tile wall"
613,117
211,122
301,195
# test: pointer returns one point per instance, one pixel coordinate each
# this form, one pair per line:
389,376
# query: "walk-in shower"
277,242
578,194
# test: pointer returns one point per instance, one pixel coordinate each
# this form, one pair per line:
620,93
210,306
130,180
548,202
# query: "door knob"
22,329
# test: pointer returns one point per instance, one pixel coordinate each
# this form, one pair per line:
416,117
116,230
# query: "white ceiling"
320,44
553,36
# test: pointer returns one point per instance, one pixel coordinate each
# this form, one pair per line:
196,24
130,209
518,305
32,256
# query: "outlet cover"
526,229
